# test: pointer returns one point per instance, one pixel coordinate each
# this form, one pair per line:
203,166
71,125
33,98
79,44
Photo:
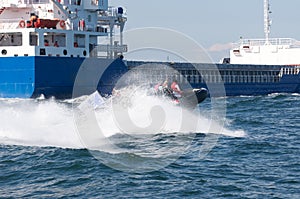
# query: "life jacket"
174,87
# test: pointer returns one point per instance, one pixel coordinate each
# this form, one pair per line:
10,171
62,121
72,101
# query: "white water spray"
50,122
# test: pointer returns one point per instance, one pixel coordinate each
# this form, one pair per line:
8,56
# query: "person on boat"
33,19
56,44
176,89
162,89
158,88
165,84
46,43
165,87
166,90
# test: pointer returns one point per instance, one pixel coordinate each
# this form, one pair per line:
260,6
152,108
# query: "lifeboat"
42,23
46,23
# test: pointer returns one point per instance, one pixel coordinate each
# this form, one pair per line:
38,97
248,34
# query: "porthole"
42,51
65,52
4,52
84,53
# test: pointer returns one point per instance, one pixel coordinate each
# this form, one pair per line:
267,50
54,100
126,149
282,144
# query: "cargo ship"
255,67
44,43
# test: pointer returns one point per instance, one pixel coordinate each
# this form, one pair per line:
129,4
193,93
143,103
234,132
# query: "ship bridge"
267,51
62,28
272,51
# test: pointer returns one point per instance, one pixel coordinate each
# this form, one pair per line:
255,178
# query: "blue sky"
214,22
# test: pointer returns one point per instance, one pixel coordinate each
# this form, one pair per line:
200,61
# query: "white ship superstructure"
65,28
43,44
268,51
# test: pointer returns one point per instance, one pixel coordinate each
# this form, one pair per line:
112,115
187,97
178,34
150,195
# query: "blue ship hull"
235,80
26,77
287,84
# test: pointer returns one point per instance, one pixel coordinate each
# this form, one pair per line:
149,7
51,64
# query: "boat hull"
287,84
17,77
32,76
231,79
191,98
26,77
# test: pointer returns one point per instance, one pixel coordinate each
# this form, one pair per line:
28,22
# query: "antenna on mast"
267,20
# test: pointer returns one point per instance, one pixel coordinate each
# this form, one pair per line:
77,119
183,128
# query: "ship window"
11,39
55,39
79,39
33,39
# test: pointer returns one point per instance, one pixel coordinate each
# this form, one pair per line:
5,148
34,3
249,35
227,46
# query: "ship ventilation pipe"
267,20
103,5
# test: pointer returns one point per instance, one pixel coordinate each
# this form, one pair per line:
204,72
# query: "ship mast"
267,20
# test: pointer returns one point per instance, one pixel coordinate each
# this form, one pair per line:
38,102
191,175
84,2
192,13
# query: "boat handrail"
9,23
113,11
262,42
12,20
17,3
108,48
289,70
35,1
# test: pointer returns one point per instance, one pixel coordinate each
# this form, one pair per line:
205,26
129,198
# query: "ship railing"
62,9
115,12
114,48
35,1
9,23
113,16
262,42
22,3
108,51
289,70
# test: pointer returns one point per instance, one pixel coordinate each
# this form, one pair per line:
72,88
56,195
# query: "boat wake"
50,122
37,123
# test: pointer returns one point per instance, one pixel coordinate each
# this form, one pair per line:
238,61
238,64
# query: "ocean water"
255,155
